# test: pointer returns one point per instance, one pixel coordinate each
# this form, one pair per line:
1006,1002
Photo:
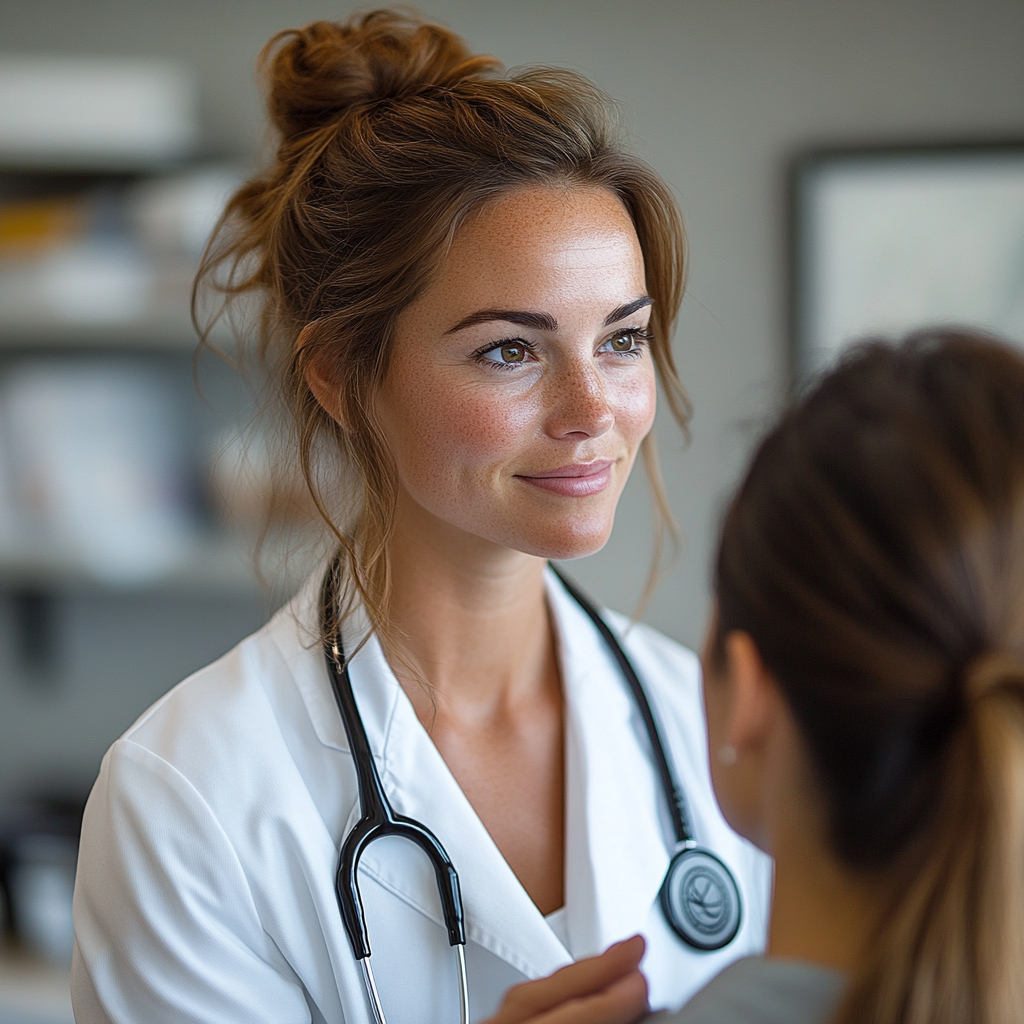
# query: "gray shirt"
757,990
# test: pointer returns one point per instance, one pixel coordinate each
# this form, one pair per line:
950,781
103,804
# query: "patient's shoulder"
762,990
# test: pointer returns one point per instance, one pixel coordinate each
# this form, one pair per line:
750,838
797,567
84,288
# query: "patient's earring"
727,755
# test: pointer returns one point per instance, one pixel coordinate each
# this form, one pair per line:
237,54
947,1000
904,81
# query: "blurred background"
825,153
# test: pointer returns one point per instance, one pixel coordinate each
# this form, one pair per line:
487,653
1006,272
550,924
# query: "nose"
579,405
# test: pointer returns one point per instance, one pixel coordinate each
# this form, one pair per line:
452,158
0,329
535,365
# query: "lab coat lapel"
617,832
499,914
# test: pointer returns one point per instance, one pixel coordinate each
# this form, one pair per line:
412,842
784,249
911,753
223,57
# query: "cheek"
445,430
635,405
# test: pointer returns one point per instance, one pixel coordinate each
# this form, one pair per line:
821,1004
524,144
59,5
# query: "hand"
605,989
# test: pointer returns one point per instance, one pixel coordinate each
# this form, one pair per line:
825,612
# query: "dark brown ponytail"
875,553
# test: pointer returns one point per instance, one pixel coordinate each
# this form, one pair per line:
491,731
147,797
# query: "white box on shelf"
92,283
98,468
95,110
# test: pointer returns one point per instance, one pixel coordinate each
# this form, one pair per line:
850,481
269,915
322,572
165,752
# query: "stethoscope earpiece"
700,899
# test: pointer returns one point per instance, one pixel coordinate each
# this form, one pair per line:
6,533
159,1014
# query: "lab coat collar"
499,914
616,855
300,644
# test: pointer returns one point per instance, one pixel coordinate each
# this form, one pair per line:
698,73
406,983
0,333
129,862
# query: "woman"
865,696
469,291
865,692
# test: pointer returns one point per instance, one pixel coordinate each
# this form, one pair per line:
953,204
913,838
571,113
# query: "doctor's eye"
506,355
627,343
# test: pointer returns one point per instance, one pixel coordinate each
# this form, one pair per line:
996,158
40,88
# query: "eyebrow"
621,312
538,321
541,321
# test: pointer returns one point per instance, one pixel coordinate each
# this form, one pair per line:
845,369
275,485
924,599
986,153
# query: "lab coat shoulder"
200,810
241,718
163,911
668,668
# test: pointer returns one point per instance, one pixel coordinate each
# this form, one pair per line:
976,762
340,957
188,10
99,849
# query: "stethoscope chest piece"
700,899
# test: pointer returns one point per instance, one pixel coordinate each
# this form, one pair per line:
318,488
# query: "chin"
565,544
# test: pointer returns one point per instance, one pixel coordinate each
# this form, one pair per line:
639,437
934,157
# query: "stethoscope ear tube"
346,882
378,818
369,828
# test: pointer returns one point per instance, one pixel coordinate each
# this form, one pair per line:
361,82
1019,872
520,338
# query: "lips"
575,480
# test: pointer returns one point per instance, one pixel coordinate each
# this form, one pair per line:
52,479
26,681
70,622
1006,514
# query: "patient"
864,682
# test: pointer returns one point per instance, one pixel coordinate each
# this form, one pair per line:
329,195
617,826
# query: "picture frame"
887,239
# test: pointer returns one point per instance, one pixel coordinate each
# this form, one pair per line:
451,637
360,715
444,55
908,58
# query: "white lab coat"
205,889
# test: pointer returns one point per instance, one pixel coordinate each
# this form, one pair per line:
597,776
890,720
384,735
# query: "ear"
324,389
739,701
755,695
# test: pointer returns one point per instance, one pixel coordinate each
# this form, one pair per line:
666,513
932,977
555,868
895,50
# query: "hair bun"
319,72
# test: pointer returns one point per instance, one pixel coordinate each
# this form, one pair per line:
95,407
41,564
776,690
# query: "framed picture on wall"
889,239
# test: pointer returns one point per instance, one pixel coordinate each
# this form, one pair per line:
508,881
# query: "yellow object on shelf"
31,227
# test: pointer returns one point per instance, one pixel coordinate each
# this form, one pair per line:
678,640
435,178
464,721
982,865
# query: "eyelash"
641,337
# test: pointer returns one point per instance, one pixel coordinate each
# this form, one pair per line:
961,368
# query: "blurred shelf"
173,333
167,327
215,566
32,991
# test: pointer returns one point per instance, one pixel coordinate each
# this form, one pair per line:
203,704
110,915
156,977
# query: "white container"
102,111
98,466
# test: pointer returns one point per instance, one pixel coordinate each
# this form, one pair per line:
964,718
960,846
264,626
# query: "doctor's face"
521,383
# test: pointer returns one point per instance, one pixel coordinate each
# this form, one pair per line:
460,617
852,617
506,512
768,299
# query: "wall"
718,94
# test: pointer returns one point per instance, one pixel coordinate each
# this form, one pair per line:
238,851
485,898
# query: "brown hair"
390,134
875,554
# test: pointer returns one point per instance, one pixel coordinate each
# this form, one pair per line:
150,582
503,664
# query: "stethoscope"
699,896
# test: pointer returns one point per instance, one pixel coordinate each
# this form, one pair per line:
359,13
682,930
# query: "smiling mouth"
576,480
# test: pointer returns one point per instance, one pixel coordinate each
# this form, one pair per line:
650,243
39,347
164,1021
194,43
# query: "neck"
820,911
470,617
472,624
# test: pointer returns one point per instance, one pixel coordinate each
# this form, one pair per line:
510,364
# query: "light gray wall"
718,93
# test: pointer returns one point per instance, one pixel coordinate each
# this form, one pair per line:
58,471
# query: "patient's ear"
740,697
755,695
324,388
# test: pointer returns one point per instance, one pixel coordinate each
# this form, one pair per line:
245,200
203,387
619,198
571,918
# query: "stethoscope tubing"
692,869
677,808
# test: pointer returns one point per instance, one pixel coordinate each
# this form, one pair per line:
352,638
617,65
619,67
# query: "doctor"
468,293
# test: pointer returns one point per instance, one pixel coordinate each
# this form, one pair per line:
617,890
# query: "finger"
623,1002
584,978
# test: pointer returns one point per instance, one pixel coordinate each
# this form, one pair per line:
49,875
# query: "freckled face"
521,384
